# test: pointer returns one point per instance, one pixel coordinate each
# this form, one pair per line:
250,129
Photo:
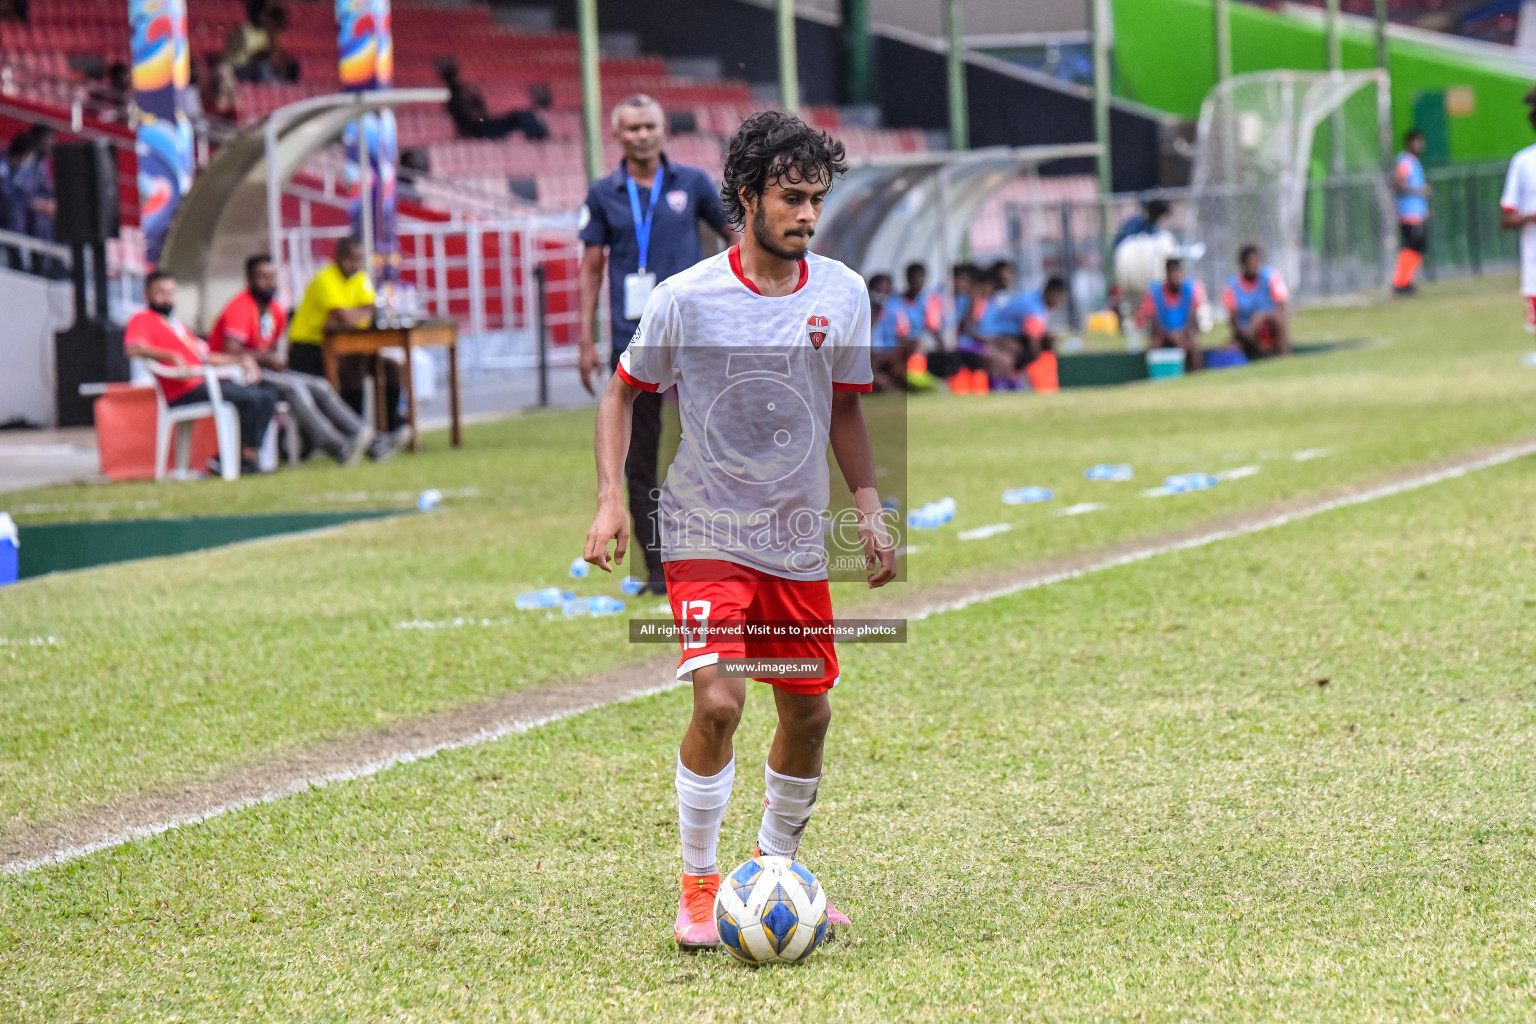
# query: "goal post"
1297,162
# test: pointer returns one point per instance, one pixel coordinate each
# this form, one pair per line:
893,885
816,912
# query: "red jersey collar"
735,259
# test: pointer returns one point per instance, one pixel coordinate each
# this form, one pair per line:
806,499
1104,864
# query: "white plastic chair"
178,420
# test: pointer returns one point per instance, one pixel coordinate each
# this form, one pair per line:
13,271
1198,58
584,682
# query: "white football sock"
701,804
785,813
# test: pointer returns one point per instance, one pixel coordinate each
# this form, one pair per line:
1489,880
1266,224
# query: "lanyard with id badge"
638,287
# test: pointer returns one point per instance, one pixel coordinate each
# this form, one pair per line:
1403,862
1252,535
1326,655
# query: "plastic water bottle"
580,568
429,499
1026,495
631,585
549,597
1183,483
582,607
1115,472
932,515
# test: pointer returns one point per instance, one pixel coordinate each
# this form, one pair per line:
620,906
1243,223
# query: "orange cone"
1042,374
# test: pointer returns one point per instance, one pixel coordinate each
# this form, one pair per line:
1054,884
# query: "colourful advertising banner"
366,61
162,72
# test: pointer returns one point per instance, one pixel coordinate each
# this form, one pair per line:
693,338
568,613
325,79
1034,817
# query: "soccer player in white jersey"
1518,210
768,346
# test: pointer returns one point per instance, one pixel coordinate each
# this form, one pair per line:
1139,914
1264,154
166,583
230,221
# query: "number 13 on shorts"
697,637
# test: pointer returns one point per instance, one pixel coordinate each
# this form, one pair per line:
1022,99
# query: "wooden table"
370,341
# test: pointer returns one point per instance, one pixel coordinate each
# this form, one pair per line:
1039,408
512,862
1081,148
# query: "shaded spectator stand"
894,210
91,350
234,208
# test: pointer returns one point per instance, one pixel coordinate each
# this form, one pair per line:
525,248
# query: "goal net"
1295,162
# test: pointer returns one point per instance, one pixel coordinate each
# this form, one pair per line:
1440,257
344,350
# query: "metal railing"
1464,229
480,274
28,255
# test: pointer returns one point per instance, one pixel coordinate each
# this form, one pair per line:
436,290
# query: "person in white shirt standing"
768,346
1518,210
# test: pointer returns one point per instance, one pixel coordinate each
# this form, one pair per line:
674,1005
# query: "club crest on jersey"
678,200
816,327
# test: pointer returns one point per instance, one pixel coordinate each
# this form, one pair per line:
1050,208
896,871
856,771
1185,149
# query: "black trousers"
640,471
1412,237
255,405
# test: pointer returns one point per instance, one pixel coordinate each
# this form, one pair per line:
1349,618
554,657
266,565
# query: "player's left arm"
849,435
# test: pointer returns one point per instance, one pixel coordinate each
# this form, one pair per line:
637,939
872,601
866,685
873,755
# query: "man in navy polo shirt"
646,216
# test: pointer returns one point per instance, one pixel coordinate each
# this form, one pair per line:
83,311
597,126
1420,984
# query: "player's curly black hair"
775,146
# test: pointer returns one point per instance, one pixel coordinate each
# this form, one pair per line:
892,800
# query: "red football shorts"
709,590
1530,312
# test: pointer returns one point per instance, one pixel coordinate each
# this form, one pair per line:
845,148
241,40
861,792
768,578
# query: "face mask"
263,295
164,309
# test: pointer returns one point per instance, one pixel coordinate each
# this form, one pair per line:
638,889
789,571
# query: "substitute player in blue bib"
1016,329
1169,314
645,217
1412,191
1255,298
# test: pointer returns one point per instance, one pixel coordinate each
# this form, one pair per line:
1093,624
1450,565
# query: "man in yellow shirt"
341,296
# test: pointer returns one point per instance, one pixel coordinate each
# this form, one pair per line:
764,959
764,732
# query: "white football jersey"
755,376
1520,196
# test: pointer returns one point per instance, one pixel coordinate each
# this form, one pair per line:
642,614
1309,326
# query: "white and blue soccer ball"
771,910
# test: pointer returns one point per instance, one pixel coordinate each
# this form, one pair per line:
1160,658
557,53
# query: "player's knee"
809,721
718,712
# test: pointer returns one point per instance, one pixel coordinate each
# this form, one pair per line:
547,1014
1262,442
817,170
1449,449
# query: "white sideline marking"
361,771
1308,454
357,497
36,508
457,623
1257,526
983,532
1238,473
29,641
524,725
1082,508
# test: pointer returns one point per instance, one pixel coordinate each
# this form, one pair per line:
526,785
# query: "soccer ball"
771,910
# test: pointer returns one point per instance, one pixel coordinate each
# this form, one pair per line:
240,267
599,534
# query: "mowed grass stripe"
175,672
1279,778
580,700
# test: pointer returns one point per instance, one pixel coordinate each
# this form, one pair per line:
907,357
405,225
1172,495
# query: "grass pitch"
1125,796
1285,777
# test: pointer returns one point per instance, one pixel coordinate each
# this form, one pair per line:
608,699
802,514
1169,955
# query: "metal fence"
1347,243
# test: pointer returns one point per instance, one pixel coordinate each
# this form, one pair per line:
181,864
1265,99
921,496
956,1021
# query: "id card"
637,289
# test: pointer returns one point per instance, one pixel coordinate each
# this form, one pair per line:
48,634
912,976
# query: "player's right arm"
615,412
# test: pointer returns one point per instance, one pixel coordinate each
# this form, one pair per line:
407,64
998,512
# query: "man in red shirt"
155,334
251,326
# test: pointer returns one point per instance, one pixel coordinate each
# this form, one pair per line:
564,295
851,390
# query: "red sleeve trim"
635,382
1511,209
838,385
